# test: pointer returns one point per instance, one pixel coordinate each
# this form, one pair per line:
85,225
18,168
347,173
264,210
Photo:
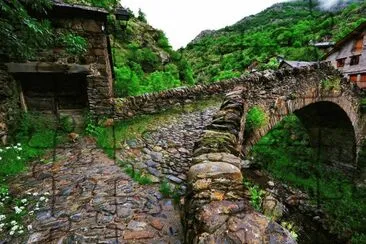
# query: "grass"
137,126
256,118
168,190
286,154
137,175
35,134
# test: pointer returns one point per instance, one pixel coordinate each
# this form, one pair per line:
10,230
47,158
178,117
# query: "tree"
20,34
141,16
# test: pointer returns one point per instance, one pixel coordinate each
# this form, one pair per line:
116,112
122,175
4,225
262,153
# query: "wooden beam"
38,67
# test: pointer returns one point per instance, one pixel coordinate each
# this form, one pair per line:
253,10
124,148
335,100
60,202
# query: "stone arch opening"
330,130
331,133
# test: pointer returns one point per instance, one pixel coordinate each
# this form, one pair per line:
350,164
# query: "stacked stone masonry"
217,208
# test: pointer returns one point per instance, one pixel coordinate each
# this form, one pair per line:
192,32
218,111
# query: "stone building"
56,81
59,81
349,56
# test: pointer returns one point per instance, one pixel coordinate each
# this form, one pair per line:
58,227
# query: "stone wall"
100,82
217,208
216,205
9,104
158,101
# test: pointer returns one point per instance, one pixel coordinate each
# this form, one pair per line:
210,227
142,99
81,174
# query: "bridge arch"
330,122
215,176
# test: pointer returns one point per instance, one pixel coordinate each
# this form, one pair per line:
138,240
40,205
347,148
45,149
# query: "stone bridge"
217,209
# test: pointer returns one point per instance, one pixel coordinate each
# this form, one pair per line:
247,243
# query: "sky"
183,20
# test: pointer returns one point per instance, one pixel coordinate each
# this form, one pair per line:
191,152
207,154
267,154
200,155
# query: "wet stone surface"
92,200
165,152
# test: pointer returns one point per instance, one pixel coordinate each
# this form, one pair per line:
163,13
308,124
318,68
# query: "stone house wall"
95,63
100,82
9,104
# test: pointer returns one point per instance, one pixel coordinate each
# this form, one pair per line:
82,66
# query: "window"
362,83
341,62
358,47
353,78
363,77
355,60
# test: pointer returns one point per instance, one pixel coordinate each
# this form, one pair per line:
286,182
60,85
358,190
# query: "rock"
271,183
154,172
272,207
157,149
214,170
137,235
157,224
151,163
245,164
136,226
156,156
153,179
125,212
174,179
76,217
183,150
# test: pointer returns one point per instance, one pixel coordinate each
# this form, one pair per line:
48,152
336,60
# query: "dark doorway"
53,91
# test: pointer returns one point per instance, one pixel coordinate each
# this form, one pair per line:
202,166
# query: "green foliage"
285,152
67,124
168,190
256,118
145,61
136,175
106,4
331,84
256,194
226,74
22,35
14,211
75,44
12,160
292,228
35,134
141,16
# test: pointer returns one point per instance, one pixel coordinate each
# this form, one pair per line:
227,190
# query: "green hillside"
285,29
145,61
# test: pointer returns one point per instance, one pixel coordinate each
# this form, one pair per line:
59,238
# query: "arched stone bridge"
329,107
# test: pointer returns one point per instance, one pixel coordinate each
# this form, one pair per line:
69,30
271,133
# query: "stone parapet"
217,209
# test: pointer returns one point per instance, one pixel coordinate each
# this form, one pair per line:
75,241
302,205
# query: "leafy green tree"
20,34
141,16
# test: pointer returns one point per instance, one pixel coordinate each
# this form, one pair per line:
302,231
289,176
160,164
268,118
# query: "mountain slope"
145,61
285,29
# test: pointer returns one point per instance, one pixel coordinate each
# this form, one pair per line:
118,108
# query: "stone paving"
92,200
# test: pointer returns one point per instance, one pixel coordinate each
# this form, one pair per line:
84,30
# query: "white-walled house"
349,56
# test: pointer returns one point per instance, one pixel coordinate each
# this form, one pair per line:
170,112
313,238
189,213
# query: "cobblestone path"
92,200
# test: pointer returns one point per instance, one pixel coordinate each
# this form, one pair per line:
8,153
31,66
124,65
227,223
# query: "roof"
297,64
323,44
62,4
357,31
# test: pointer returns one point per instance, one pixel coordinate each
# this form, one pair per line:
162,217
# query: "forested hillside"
144,60
285,29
